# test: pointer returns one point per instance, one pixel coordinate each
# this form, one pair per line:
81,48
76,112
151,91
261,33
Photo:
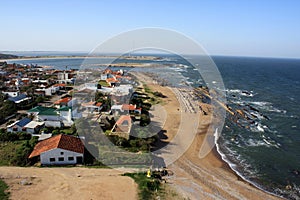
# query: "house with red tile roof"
59,150
67,101
112,81
122,126
92,106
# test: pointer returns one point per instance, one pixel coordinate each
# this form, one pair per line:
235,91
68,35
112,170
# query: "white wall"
53,124
66,115
56,153
30,130
49,117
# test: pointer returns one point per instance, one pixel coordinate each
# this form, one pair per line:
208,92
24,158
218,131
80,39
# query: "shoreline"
239,175
192,169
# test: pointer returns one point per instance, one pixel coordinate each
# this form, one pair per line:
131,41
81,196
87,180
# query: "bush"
147,186
159,94
22,153
3,195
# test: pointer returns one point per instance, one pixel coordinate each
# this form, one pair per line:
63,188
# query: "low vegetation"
15,148
3,187
148,187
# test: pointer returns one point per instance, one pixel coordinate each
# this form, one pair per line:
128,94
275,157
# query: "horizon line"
153,53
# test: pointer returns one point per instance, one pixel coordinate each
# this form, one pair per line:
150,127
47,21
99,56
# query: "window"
52,159
61,159
61,153
70,158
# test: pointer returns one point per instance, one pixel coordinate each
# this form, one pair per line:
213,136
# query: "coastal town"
52,117
40,103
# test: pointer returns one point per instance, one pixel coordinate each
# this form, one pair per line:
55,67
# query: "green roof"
48,112
41,110
65,108
38,109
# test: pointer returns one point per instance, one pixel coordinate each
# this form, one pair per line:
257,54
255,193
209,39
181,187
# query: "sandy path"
195,178
68,183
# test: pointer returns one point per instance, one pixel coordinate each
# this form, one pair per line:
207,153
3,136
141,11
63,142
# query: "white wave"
234,91
233,166
255,143
260,103
257,128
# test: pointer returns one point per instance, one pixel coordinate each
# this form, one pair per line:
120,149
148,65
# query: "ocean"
265,152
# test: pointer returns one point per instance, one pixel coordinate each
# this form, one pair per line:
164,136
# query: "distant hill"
7,56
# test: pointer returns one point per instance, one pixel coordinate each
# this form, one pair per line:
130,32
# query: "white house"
34,127
59,150
18,126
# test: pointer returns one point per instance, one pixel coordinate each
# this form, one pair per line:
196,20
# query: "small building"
67,101
59,150
34,127
122,127
126,109
18,126
47,114
19,99
92,106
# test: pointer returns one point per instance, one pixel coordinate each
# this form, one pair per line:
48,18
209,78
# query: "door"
79,160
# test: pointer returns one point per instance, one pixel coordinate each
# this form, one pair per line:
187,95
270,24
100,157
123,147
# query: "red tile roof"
91,103
123,124
61,141
111,80
128,107
64,100
122,120
98,104
59,85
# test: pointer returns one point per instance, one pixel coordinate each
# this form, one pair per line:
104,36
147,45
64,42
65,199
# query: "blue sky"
225,27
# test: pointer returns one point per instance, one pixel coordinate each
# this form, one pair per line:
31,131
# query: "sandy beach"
207,178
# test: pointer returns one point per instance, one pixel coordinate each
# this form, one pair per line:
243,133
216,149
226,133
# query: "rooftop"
61,141
128,107
18,98
63,100
20,123
34,124
64,108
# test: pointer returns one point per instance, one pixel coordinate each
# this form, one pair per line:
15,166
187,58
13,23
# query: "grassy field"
8,152
3,195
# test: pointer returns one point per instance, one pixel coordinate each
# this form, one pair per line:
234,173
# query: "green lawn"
104,83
